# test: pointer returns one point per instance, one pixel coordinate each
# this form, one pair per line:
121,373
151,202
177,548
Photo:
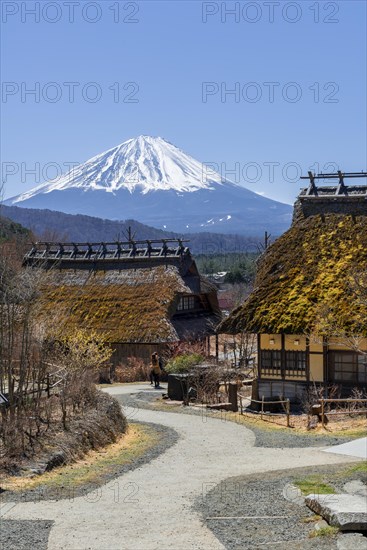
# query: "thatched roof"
126,306
309,269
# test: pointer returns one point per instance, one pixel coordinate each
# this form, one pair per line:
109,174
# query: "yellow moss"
132,306
307,268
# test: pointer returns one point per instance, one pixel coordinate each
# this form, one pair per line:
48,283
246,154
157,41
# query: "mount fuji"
151,180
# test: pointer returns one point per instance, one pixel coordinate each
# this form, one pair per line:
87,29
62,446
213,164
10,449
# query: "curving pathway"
151,507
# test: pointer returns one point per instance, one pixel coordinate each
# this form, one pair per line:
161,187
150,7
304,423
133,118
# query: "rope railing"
264,402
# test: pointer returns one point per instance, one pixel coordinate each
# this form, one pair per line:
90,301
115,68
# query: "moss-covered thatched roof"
309,269
126,306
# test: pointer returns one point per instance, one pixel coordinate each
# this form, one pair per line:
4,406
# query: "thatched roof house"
140,299
309,302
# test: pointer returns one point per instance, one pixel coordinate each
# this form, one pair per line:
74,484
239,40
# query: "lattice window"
295,363
270,361
186,303
348,367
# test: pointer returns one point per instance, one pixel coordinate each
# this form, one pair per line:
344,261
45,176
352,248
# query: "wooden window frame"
187,303
358,369
276,363
298,360
273,357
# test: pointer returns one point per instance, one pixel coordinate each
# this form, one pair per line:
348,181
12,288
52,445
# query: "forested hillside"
51,225
10,230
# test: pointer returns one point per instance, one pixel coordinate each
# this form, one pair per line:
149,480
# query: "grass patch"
321,484
94,468
349,432
314,485
119,384
270,423
311,519
357,468
298,426
354,471
328,531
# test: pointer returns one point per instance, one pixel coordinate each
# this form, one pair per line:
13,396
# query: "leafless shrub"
359,393
315,393
135,370
46,370
205,384
211,383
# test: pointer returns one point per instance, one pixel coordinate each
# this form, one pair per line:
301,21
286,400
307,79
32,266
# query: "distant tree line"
239,267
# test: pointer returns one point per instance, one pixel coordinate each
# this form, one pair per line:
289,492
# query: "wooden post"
288,408
232,396
262,407
322,414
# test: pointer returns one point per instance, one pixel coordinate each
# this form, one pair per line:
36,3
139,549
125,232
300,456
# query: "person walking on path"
155,370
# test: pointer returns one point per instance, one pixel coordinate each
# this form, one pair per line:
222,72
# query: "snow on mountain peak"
141,164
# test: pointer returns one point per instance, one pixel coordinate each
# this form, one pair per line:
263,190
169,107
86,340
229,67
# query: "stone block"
348,512
352,541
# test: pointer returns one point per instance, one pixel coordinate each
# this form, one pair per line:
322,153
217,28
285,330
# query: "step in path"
348,512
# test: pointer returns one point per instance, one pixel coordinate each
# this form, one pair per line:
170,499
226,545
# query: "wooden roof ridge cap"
337,191
128,249
334,195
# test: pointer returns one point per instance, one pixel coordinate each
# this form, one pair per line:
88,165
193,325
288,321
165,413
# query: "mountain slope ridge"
153,181
51,225
144,163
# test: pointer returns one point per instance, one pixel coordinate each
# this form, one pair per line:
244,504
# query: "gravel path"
24,535
244,497
145,399
153,506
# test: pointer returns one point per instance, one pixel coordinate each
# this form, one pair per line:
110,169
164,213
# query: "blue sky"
176,61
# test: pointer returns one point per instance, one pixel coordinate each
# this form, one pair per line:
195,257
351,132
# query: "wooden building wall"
318,354
122,352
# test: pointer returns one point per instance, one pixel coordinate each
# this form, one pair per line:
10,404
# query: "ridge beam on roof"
335,175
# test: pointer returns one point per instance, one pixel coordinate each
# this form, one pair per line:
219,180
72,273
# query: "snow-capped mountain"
151,180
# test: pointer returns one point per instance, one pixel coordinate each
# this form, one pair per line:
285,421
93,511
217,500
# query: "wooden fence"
348,410
285,403
47,385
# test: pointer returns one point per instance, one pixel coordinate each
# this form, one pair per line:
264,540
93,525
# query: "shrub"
134,371
184,363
